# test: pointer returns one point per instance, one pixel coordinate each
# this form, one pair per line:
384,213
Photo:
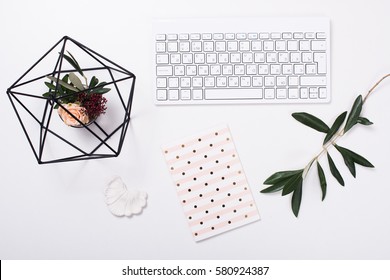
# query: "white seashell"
122,201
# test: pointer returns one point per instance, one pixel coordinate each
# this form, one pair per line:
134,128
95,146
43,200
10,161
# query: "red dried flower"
94,104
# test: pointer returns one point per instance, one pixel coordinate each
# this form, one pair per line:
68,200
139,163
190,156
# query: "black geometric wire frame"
45,118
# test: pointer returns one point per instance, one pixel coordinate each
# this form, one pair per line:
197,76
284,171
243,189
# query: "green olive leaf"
322,178
364,121
65,85
275,187
354,114
76,81
347,160
280,176
292,184
94,82
72,61
335,172
101,90
296,199
311,121
335,127
356,158
50,86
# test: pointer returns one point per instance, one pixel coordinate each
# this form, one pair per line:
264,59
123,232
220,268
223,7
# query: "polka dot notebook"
211,183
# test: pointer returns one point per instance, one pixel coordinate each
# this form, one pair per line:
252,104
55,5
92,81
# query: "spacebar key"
233,93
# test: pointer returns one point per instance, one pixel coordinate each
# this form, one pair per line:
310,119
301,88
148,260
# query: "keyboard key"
259,57
215,69
208,46
235,57
268,45
232,46
173,82
263,69
318,45
185,82
185,94
191,70
322,92
160,47
247,57
276,69
223,58
244,46
257,81
313,93
251,69
252,36
227,69
245,81
164,70
269,81
197,82
320,58
199,58
220,46
292,45
179,70
239,69
203,70
229,36
218,36
196,46
162,59
283,57
307,57
161,94
211,58
280,45
311,69
256,45
276,35
295,57
197,94
264,35
161,82
240,36
173,94
187,58
287,35
321,35
184,46
287,69
310,35
172,37
175,58
195,36
209,82
281,93
293,93
221,81
269,93
271,57
313,81
172,46
207,36
229,94
233,81
304,45
281,81
160,37
304,92
298,35
293,81
299,69
184,36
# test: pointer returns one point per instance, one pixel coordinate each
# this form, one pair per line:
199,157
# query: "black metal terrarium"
66,112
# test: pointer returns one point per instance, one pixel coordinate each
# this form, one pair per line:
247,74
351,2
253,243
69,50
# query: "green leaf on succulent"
311,121
276,186
335,127
296,199
364,121
76,81
65,85
65,78
292,184
56,106
94,81
47,94
101,90
354,114
335,172
72,61
356,158
50,86
280,176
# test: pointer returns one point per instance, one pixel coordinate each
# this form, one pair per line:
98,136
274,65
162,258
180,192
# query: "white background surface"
58,211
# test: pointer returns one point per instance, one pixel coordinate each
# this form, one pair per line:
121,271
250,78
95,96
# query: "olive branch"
291,181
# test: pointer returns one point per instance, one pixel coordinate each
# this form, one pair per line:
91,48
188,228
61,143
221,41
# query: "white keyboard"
255,60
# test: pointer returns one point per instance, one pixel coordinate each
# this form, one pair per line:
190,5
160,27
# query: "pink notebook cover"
210,183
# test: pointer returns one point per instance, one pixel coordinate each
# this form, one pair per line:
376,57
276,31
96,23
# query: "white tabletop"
57,211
